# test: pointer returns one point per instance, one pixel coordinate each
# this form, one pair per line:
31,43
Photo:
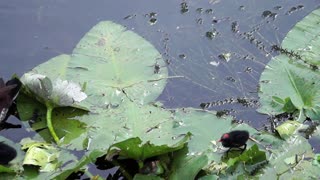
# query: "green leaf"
304,38
134,148
185,166
205,127
250,157
291,159
146,177
316,160
131,123
111,60
293,80
43,155
286,129
90,158
297,85
116,63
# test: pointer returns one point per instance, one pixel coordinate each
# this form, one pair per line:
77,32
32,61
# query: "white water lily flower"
59,93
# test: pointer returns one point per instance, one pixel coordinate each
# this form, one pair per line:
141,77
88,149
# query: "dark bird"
235,139
8,92
7,153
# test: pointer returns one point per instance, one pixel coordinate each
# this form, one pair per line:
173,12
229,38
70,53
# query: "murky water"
220,47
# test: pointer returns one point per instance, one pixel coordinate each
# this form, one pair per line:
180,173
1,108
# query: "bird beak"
219,140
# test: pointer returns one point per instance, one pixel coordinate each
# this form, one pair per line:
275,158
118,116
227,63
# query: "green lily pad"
132,123
134,148
117,63
185,166
251,156
292,159
285,80
43,155
304,38
75,167
289,83
316,160
288,128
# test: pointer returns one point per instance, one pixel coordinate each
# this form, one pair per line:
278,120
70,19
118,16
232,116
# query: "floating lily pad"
288,128
289,81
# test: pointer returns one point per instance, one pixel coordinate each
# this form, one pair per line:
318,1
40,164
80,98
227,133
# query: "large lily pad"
304,38
292,159
289,80
118,62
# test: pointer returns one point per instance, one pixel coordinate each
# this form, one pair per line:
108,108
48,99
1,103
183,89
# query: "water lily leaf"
204,127
64,120
131,123
285,80
286,129
291,159
41,154
116,63
185,166
304,38
316,160
251,156
85,160
58,93
288,77
59,159
134,148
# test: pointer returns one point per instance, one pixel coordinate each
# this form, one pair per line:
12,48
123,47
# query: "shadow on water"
220,47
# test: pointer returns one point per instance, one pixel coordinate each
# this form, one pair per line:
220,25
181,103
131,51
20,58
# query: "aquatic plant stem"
49,124
123,171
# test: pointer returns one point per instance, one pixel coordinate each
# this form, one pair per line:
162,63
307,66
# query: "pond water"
219,47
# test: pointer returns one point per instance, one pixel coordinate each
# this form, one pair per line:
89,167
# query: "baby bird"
8,93
235,139
7,153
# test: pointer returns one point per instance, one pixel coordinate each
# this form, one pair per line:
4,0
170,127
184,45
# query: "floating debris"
199,10
130,16
225,56
214,63
277,8
294,9
235,27
209,11
212,34
184,7
182,56
269,14
153,21
242,8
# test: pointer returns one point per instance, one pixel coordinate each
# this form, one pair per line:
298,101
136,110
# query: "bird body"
8,93
7,153
235,139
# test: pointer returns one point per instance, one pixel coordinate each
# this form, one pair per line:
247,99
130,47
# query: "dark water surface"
190,36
